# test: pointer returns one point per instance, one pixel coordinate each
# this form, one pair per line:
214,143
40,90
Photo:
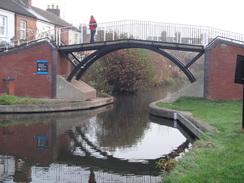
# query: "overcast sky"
226,15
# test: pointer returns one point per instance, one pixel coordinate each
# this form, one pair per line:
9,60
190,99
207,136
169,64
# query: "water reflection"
115,143
174,124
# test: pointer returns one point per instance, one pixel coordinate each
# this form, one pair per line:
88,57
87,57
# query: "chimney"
27,3
84,30
54,11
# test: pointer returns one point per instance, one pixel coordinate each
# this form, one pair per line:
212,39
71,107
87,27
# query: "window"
22,29
76,39
47,32
3,25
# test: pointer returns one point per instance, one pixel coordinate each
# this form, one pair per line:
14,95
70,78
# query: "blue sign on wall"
42,142
42,67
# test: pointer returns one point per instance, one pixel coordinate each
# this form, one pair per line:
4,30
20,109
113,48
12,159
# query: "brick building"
20,22
220,65
22,72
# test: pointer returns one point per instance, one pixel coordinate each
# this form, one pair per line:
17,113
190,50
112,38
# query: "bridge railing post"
59,36
104,34
81,33
113,33
56,36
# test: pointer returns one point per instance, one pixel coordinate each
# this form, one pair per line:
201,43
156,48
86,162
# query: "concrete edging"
56,107
195,125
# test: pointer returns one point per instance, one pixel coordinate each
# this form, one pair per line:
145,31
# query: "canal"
120,142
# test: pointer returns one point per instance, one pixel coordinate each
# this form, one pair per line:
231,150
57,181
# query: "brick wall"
63,65
30,29
21,65
220,64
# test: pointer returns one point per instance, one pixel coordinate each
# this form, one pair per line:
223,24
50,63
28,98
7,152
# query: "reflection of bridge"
168,122
86,153
56,124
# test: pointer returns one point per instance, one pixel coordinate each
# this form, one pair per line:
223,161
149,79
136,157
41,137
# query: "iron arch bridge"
100,49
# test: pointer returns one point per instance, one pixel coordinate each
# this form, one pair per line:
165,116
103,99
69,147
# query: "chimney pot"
53,10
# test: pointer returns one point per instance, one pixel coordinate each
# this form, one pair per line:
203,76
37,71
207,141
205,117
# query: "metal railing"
37,37
8,46
126,29
166,32
57,36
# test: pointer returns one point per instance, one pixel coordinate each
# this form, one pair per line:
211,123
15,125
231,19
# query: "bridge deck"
156,44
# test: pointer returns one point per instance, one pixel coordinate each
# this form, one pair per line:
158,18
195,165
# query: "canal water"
116,143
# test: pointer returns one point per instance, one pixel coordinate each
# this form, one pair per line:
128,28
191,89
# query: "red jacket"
91,24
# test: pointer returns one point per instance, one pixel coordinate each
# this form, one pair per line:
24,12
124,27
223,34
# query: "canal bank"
195,125
55,105
203,162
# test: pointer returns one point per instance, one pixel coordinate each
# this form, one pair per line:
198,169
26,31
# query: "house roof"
12,6
33,12
51,17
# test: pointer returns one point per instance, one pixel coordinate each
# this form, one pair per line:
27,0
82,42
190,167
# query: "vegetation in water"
7,123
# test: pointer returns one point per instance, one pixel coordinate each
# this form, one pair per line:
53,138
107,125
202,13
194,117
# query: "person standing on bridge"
92,27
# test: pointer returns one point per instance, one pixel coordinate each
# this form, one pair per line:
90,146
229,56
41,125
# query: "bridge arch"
157,47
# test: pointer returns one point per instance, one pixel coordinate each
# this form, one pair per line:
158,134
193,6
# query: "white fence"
167,32
134,29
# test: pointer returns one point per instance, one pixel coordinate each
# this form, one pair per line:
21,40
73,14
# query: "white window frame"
23,27
76,38
3,25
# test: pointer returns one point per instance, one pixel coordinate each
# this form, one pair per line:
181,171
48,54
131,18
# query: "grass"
218,157
11,99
